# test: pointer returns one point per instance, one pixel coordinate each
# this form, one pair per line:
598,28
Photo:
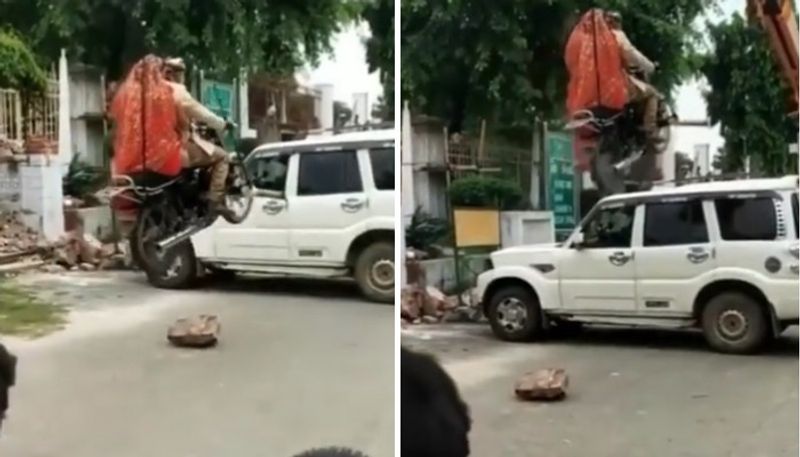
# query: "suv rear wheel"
374,271
515,314
735,323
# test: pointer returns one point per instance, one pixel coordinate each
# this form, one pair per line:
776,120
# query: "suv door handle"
619,258
697,255
352,205
273,207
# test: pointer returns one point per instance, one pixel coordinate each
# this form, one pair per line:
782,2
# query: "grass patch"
22,313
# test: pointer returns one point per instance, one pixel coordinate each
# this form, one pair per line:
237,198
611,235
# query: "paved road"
300,364
633,393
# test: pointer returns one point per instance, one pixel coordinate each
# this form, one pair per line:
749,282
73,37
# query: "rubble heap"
10,148
22,247
420,303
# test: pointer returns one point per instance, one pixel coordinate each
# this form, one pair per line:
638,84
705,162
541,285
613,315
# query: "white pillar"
361,108
326,107
244,107
64,129
42,199
406,185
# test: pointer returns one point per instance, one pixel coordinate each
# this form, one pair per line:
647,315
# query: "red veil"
146,120
596,76
596,72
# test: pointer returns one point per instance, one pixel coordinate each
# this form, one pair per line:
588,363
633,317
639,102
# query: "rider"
634,60
198,151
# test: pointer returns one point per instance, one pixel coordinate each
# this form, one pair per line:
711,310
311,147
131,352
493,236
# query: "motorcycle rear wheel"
176,268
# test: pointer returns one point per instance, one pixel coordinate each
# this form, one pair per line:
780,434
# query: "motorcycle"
621,158
163,212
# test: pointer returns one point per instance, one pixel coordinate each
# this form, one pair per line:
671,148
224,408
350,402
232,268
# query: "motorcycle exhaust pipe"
171,241
624,164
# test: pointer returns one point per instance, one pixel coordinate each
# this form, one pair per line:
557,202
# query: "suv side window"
269,172
326,173
382,160
744,219
610,227
674,223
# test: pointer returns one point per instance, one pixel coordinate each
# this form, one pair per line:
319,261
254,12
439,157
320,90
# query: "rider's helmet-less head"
174,69
614,19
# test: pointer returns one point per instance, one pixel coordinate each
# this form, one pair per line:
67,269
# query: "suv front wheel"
735,323
374,272
515,314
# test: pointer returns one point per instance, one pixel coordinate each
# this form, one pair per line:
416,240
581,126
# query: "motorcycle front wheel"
239,194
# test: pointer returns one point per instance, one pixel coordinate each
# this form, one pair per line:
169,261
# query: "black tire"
735,323
372,272
530,329
608,180
331,452
182,276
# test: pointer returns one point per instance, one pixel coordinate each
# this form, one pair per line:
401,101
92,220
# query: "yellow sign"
476,227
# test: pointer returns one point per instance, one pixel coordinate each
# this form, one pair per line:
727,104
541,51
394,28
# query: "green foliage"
18,67
486,192
379,14
749,99
223,35
470,59
424,230
82,180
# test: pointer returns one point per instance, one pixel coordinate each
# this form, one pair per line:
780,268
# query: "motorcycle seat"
151,180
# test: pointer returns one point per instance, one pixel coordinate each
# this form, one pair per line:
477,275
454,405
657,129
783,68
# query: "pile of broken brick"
423,304
23,248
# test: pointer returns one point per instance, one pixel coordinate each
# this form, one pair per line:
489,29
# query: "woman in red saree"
146,121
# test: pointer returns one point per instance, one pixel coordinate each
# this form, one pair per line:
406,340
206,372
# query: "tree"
18,67
749,99
379,14
218,35
470,59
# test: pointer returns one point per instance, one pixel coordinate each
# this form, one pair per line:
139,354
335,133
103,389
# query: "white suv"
720,256
323,208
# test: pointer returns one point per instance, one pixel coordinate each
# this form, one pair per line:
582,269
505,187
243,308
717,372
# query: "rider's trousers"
217,161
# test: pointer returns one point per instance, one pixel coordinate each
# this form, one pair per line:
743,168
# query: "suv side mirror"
577,241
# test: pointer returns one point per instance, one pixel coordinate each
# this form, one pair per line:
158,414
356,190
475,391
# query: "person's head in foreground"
434,420
8,369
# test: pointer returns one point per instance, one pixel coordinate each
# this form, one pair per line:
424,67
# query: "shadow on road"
286,286
616,337
785,346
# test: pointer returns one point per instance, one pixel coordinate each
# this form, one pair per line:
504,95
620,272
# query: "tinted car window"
382,161
742,219
609,227
674,223
325,173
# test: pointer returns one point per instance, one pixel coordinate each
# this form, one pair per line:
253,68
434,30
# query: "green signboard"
220,98
561,182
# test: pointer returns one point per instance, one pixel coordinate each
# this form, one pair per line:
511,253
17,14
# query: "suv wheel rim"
512,314
382,274
732,324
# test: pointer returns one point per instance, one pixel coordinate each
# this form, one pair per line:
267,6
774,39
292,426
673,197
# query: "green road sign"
220,98
561,182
